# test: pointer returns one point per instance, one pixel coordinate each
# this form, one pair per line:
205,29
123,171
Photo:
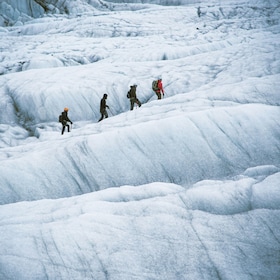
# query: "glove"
108,107
71,123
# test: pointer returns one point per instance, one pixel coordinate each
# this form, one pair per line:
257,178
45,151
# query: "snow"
187,187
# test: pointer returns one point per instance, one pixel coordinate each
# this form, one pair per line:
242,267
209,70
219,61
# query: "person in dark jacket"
65,120
133,98
103,107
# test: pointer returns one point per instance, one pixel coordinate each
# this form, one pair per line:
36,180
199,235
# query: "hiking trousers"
63,128
158,94
134,100
103,114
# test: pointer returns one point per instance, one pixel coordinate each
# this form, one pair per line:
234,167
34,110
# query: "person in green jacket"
133,98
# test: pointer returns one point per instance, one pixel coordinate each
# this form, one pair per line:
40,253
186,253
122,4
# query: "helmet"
66,109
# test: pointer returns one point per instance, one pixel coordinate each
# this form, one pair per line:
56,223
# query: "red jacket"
160,87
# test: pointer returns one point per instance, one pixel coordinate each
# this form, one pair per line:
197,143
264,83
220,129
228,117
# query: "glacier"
187,187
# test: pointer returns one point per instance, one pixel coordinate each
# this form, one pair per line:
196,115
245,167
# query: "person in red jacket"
159,89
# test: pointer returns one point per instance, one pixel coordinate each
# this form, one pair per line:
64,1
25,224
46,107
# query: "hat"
66,109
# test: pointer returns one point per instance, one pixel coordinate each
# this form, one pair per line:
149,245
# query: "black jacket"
65,118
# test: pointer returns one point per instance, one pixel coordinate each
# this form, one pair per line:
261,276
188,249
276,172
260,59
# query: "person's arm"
68,120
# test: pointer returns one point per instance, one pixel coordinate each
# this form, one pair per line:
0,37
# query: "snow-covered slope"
216,230
186,187
221,101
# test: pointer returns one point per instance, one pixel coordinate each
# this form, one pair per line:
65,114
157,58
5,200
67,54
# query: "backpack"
155,85
60,118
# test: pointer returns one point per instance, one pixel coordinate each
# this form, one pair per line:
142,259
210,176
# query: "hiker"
103,107
133,98
158,88
65,120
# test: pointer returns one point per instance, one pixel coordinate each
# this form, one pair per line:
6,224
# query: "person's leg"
131,104
63,128
159,95
105,114
68,127
102,116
